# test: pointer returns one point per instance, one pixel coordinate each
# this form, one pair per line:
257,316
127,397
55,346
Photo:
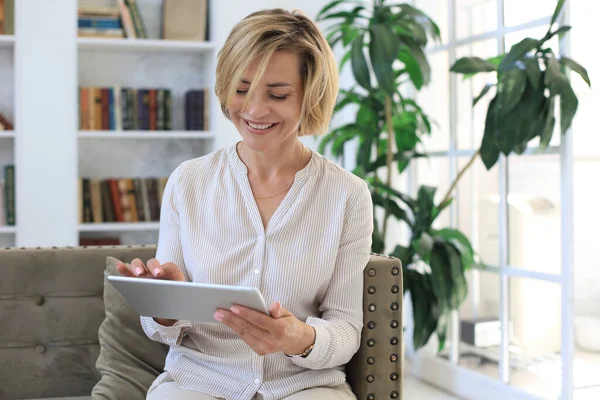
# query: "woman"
271,214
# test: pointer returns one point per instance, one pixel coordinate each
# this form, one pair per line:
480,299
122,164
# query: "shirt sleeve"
169,250
338,331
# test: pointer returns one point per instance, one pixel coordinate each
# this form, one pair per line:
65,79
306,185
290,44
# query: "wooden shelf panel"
120,227
146,134
144,45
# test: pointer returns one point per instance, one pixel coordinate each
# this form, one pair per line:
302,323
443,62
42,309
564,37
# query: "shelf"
120,227
7,134
146,134
7,41
8,229
144,45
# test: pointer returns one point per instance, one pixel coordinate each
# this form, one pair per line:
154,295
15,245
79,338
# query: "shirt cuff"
171,335
321,348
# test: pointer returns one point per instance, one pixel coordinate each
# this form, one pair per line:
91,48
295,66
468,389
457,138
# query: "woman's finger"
154,267
124,270
138,267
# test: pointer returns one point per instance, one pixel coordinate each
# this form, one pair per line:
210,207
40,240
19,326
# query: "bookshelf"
164,135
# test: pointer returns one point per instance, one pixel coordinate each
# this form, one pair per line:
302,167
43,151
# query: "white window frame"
446,373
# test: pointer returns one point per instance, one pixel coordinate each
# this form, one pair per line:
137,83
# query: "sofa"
57,315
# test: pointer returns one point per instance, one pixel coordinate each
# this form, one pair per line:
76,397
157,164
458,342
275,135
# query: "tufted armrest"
375,372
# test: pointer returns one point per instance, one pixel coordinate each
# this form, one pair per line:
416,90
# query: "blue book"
111,109
99,23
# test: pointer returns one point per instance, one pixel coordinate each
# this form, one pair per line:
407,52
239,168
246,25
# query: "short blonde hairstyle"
261,34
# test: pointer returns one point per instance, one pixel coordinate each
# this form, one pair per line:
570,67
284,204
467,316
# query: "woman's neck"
280,161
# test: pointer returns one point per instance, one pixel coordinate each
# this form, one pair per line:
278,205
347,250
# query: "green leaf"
410,203
441,330
424,209
391,206
383,50
517,52
412,67
363,157
345,59
345,136
460,242
484,91
421,18
404,254
378,243
557,10
441,279
426,311
349,33
559,85
489,150
471,65
360,68
328,7
419,55
510,89
423,245
576,67
534,74
458,290
560,32
367,118
549,123
399,157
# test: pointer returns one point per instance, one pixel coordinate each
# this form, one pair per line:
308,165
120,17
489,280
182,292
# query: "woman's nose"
256,107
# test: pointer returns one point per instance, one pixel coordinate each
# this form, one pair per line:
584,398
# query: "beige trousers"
168,390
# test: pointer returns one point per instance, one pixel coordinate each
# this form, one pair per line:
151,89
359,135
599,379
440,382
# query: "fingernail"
218,316
138,271
156,271
235,310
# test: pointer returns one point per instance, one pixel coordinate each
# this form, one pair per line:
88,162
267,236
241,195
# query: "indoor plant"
384,45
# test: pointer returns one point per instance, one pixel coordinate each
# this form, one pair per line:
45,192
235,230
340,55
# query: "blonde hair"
261,34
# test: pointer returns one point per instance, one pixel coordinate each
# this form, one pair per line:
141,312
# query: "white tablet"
189,301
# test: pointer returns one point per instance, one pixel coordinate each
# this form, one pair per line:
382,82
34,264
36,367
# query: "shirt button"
256,272
257,381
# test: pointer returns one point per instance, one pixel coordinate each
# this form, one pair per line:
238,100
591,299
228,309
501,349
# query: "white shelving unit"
7,134
7,41
8,230
144,45
164,135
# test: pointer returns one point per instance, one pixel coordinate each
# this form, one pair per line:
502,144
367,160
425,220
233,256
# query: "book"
126,20
9,194
7,19
138,22
185,19
5,124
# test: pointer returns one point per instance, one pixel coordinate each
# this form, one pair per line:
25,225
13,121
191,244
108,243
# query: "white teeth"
259,126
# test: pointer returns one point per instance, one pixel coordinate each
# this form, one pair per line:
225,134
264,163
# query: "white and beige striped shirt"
310,257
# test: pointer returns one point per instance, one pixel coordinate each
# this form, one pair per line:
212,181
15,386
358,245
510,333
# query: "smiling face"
270,116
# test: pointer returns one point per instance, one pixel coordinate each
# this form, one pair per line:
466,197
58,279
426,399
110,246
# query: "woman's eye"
278,97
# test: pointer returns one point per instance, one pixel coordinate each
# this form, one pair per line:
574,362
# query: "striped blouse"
310,257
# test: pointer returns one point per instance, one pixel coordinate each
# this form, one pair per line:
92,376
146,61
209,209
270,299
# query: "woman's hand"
281,331
152,270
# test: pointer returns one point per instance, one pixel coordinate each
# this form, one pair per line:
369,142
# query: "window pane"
535,318
438,11
470,121
476,199
534,213
587,281
436,172
435,103
479,324
519,12
474,17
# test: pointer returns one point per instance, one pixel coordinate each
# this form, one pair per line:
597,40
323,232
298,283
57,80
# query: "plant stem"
460,175
390,156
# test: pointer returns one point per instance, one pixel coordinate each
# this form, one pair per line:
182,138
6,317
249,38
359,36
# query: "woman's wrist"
165,322
306,340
